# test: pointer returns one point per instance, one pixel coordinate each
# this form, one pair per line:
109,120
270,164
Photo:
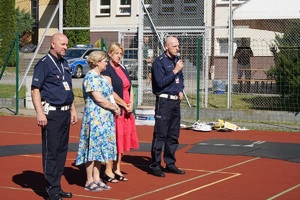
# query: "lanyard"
63,71
172,61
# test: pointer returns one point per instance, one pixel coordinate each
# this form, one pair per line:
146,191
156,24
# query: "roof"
268,9
267,14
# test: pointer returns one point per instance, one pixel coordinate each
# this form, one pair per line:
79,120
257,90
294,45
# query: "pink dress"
125,124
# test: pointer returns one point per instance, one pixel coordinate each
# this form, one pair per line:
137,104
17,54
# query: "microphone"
179,58
178,55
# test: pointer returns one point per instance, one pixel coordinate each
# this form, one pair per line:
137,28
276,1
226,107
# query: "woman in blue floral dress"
97,141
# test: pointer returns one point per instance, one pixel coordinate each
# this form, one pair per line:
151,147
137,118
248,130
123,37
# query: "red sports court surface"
208,176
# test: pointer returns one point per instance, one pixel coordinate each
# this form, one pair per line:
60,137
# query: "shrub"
77,16
7,30
287,65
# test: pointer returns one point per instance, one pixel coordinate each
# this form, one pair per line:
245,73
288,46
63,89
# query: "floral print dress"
97,135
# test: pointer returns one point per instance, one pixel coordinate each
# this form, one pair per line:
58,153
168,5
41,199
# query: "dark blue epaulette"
161,57
43,59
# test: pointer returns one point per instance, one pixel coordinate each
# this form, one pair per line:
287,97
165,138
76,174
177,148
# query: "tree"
287,65
7,30
25,23
77,15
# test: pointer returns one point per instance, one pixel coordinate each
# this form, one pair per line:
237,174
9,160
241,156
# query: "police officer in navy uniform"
167,85
52,96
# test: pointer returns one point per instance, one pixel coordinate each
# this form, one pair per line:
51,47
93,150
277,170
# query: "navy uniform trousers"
55,138
166,131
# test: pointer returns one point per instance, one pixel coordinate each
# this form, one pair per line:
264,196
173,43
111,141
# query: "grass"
220,101
9,70
78,95
8,91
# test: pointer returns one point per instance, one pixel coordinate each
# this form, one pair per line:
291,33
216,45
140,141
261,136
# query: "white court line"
283,192
71,159
18,133
29,155
77,195
203,143
191,179
235,145
204,186
38,134
252,145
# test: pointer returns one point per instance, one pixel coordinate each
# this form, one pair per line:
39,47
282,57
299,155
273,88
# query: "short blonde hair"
114,47
94,57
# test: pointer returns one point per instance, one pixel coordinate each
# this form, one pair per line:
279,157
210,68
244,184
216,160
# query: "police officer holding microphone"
167,85
52,97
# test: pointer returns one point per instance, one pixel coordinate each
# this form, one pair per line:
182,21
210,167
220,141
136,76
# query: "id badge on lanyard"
65,83
177,80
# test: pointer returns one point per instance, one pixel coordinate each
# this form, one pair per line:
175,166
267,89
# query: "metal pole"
140,51
206,70
230,38
199,61
60,16
17,72
212,51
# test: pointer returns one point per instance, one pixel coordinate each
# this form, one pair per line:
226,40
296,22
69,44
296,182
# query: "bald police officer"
167,85
52,96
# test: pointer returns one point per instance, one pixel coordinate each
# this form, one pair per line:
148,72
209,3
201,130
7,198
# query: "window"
167,7
104,8
34,12
189,7
130,54
223,46
124,7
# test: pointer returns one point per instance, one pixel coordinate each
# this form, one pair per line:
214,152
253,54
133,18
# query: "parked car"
76,57
130,61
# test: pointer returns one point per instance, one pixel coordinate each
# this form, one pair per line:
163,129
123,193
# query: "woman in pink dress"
126,135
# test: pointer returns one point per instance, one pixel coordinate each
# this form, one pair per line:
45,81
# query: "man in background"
243,54
147,63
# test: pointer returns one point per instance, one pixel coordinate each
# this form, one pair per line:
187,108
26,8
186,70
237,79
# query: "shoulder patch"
161,57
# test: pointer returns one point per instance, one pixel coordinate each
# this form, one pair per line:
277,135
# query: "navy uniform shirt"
163,78
49,77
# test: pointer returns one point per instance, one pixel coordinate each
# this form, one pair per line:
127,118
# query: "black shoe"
65,194
158,172
174,170
54,197
107,178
